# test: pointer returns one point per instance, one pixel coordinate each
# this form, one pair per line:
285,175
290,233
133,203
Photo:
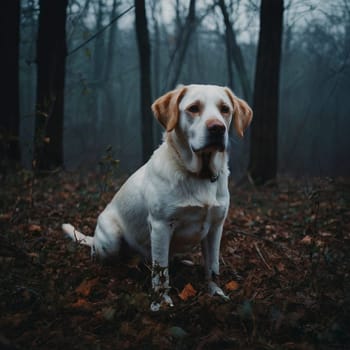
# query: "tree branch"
100,31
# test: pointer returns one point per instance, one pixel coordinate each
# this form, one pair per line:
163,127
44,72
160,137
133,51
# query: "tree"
263,153
145,78
51,59
9,97
183,43
233,51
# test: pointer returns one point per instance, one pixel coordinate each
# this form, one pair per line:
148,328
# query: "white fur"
166,206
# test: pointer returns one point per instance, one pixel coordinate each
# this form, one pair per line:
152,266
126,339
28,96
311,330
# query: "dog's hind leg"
108,237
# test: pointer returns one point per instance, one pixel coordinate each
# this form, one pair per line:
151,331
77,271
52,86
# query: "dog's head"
203,113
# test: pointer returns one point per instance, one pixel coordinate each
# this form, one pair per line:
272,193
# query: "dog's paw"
164,303
214,289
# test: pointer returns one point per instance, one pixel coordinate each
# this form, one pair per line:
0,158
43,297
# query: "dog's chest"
192,223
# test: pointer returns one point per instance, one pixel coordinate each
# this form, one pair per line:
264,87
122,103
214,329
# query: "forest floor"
285,264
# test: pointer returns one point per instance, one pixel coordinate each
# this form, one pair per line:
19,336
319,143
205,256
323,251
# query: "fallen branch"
262,257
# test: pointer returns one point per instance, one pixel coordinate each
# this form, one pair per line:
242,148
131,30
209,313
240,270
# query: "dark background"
102,111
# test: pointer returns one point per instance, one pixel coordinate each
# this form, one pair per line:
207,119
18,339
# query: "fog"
102,117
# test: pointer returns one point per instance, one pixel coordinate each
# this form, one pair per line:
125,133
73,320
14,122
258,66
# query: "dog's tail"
77,236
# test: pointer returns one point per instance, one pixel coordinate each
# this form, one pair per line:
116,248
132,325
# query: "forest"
80,77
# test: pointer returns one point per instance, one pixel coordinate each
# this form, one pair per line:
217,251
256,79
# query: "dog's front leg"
211,251
160,242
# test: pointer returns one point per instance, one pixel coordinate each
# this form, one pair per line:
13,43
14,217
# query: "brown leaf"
5,216
232,285
34,228
187,292
81,304
85,287
307,240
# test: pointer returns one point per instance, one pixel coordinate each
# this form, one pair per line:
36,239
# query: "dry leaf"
280,267
187,292
232,285
34,228
85,287
81,303
306,240
5,216
108,313
325,234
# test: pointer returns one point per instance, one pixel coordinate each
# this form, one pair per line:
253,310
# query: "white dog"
180,196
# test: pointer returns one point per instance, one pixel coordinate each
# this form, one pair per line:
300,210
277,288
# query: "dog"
180,197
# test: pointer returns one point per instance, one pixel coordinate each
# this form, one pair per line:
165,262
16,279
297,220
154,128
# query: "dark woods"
79,78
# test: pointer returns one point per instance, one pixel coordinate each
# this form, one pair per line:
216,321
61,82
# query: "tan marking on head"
166,108
242,113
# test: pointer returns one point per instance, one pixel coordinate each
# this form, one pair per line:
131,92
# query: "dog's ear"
242,113
166,108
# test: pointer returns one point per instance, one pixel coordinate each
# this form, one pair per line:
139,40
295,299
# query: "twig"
100,31
252,235
262,257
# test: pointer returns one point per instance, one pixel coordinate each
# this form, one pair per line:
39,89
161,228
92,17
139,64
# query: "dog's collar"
214,178
206,172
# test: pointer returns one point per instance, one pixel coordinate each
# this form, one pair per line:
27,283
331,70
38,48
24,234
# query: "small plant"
108,166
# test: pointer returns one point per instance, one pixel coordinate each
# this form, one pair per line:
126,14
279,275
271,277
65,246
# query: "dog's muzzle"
215,138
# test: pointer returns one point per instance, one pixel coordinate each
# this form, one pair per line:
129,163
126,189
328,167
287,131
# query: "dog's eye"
225,109
193,109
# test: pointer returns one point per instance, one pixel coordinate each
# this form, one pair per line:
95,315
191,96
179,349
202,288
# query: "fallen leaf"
187,292
280,267
65,195
306,240
5,216
34,228
187,262
325,234
108,313
232,285
177,332
81,303
85,287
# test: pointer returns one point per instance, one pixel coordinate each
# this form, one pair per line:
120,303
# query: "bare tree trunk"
263,157
155,6
111,117
236,53
108,69
51,59
145,79
98,74
9,97
184,40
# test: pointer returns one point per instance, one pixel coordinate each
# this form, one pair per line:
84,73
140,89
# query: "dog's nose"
216,127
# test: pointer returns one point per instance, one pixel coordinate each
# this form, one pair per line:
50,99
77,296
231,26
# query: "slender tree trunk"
263,156
51,59
112,41
156,49
145,79
184,40
9,97
234,51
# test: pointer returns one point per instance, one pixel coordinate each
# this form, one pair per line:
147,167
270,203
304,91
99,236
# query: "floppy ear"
166,108
242,113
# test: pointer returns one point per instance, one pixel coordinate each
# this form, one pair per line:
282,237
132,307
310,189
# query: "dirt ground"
285,264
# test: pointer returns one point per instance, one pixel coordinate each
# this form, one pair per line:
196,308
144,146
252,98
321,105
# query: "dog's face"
203,114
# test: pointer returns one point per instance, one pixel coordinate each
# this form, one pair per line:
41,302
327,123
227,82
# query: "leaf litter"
285,264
